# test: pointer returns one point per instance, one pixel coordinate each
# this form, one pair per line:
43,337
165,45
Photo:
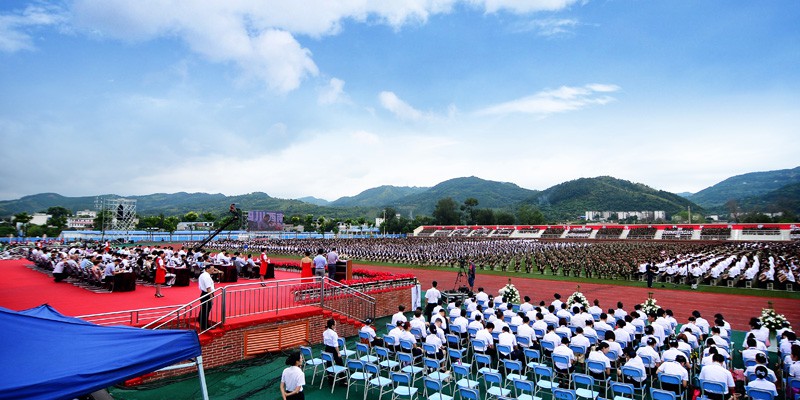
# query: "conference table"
124,282
182,276
229,273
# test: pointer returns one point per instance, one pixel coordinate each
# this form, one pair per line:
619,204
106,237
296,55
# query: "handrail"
132,317
342,304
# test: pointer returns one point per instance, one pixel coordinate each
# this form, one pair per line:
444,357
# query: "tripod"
461,273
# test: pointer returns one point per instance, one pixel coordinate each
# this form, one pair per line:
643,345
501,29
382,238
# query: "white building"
621,215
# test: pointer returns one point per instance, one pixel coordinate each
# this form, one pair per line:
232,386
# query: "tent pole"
202,376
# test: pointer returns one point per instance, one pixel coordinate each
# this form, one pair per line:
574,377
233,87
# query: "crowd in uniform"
709,263
622,345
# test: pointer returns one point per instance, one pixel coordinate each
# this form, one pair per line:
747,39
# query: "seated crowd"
573,346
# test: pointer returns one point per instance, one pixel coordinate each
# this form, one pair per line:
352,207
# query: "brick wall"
221,347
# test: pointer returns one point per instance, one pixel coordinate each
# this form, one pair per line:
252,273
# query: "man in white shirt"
649,350
206,286
482,297
602,324
579,339
564,350
556,303
418,322
370,331
715,372
620,334
551,337
399,315
595,309
526,306
539,325
620,313
462,322
432,297
525,330
634,361
476,324
506,338
701,322
749,354
485,335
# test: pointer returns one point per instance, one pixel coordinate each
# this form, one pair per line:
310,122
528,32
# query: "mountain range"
761,191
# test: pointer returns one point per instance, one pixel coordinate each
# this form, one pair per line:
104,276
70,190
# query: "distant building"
39,219
195,226
83,220
622,215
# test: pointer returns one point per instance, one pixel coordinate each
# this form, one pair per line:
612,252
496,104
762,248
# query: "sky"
330,98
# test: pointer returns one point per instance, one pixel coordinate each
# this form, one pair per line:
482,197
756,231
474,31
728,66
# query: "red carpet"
26,288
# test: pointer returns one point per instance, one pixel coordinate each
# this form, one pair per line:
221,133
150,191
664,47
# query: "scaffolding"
117,214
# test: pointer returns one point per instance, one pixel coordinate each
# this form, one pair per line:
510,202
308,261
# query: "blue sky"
330,98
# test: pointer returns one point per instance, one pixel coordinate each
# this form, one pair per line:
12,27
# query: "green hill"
569,200
490,194
378,197
785,199
745,186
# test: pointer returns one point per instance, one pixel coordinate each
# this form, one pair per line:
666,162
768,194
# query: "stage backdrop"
264,221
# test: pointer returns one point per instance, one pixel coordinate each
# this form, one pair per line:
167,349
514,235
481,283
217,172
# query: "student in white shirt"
331,341
293,379
761,360
715,372
432,297
434,340
762,382
634,361
525,330
678,367
599,354
399,315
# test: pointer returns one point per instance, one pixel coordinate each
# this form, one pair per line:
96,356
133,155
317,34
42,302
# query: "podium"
344,270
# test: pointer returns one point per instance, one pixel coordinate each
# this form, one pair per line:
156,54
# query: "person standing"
206,285
306,266
320,263
650,272
264,266
471,275
161,273
432,297
332,259
293,379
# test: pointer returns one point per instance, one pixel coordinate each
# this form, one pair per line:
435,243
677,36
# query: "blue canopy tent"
46,355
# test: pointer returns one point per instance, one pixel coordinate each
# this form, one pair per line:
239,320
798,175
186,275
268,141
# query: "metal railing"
137,317
247,299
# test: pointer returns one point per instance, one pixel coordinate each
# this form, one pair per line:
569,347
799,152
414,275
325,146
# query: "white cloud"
258,37
563,99
398,107
332,93
550,27
523,6
15,28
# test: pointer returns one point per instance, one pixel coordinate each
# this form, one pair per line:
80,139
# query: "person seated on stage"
59,271
222,258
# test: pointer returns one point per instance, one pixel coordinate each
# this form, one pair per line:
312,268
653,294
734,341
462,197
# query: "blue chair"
484,363
479,346
407,346
712,387
408,367
357,375
563,360
469,393
564,394
417,332
462,372
434,366
311,362
385,358
539,333
377,381
390,342
622,391
494,385
364,354
503,352
658,394
524,390
472,332
584,386
434,386
339,372
513,371
636,375
403,386
549,346
524,341
456,356
454,340
749,363
429,349
532,358
671,380
545,379
599,367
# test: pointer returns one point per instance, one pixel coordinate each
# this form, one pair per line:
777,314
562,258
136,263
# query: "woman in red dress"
305,267
262,268
161,273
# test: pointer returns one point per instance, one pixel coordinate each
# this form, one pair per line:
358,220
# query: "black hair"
293,358
330,323
761,372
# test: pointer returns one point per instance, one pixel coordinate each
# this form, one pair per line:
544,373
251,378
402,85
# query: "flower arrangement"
509,293
649,306
577,298
772,320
